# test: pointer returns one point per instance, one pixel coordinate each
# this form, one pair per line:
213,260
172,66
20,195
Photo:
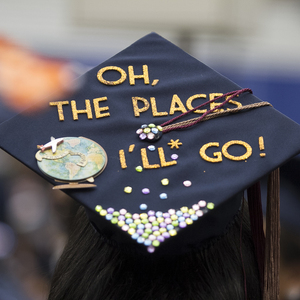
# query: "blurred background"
254,43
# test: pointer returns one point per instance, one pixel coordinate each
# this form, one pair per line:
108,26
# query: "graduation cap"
157,146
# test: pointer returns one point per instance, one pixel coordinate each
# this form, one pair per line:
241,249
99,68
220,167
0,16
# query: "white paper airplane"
52,144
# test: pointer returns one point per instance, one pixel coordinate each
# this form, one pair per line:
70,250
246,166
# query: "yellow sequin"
121,223
188,221
143,216
165,181
59,105
237,158
184,209
137,221
162,229
191,211
131,231
174,217
172,232
111,68
128,189
103,212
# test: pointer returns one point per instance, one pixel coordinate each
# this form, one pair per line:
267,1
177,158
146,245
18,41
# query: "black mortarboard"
155,187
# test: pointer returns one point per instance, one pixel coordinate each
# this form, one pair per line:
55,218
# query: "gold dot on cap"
128,189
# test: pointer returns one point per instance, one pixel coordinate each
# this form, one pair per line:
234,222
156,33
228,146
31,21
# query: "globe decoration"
72,160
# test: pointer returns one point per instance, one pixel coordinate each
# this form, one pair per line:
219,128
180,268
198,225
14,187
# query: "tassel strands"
272,254
258,236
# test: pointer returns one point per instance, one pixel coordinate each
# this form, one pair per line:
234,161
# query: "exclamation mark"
261,146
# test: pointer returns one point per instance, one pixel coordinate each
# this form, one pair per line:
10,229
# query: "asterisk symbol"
174,144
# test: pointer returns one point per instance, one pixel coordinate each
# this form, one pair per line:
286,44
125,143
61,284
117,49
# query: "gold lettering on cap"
155,113
99,110
122,159
131,147
145,160
59,105
238,104
176,105
214,104
162,158
210,159
136,108
87,110
111,68
237,158
261,146
132,76
191,99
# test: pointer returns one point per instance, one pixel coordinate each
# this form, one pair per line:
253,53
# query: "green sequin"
114,220
98,208
175,223
155,243
139,168
116,214
210,205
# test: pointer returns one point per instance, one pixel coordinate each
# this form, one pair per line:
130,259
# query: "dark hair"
90,268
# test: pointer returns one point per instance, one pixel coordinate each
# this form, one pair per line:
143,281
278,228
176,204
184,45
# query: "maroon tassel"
256,221
272,255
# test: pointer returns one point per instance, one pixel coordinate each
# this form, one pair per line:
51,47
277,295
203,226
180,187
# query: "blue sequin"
179,213
128,221
170,227
147,242
151,148
163,196
159,214
181,219
140,226
135,236
143,206
194,217
154,130
140,240
108,217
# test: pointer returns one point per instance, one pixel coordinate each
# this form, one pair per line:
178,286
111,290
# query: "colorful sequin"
153,228
149,132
